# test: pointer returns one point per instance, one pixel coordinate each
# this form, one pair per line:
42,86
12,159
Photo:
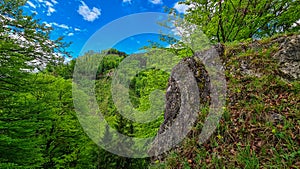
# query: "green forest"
39,126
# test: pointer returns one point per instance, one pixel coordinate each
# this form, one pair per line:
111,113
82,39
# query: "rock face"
173,95
188,88
289,56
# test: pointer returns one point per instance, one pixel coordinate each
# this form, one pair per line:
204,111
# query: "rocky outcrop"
188,88
289,56
173,96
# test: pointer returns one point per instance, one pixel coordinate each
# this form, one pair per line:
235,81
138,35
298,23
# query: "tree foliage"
38,123
38,126
25,46
230,20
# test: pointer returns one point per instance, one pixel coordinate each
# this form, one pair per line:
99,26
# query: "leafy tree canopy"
230,20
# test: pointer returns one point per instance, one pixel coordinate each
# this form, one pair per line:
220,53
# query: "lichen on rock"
289,57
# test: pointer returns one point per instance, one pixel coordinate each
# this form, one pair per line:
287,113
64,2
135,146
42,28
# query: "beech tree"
230,20
25,47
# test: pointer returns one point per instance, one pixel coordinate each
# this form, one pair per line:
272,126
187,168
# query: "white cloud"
70,34
63,26
60,25
50,11
50,7
156,2
54,1
47,3
67,60
182,8
34,12
47,24
87,13
127,1
77,29
31,4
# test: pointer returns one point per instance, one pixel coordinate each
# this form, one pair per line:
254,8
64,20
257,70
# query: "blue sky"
78,20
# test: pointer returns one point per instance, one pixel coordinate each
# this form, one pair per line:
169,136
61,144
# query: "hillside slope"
260,126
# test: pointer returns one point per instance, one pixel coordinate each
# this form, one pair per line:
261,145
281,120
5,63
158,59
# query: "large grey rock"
289,57
188,88
173,94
